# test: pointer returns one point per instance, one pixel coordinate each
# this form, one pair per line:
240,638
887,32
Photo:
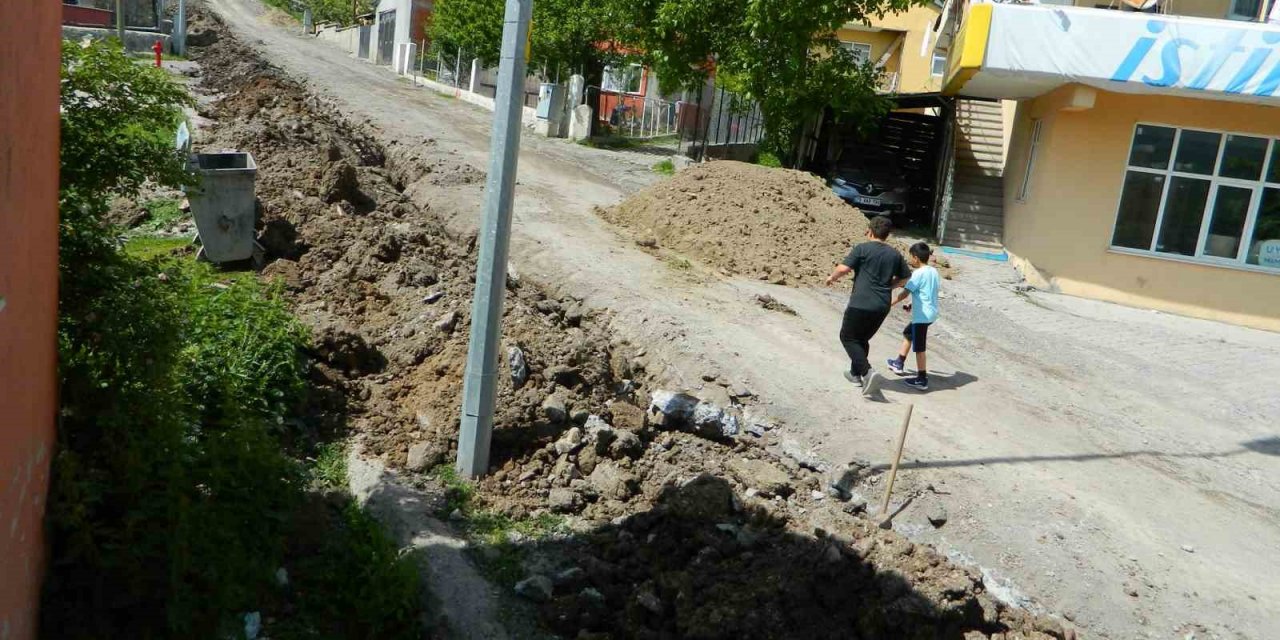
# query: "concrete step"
983,224
984,185
993,245
974,171
971,233
976,198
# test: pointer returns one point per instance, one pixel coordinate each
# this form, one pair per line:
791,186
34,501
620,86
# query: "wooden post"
897,456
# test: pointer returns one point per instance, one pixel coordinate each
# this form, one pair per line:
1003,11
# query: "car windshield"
859,173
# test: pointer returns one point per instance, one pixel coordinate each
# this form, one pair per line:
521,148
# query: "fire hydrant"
157,47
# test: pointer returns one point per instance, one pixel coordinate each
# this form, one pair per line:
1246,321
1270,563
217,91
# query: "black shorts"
918,334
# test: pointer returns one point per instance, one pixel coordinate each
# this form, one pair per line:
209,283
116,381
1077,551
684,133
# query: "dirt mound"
779,225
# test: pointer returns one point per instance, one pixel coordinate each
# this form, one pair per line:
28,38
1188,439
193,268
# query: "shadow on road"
1266,446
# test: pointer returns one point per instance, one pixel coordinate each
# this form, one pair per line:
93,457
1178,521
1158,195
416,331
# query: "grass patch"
609,142
502,556
766,159
679,263
665,168
153,247
161,213
329,471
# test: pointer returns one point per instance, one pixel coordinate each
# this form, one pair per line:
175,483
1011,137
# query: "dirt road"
1120,467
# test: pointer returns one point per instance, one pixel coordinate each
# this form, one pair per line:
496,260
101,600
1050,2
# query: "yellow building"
909,46
1143,162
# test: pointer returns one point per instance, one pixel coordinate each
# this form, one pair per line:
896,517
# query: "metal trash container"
222,205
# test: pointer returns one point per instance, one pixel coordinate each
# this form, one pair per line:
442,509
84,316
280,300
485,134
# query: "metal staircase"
975,217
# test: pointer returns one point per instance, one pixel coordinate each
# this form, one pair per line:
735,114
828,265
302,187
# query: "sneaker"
871,382
919,384
853,377
895,365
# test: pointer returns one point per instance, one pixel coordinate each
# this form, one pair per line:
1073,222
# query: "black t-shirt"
875,266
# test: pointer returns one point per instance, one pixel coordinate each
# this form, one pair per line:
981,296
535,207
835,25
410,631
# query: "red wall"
87,16
29,52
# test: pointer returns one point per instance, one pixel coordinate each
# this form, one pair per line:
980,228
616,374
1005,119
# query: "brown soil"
779,225
671,538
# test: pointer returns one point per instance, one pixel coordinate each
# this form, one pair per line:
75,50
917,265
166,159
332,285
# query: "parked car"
878,191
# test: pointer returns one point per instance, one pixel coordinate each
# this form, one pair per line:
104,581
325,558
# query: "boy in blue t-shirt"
923,289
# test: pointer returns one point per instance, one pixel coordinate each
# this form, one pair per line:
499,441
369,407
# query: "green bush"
666,168
174,497
766,159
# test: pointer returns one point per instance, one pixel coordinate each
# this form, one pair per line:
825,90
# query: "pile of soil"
686,520
779,225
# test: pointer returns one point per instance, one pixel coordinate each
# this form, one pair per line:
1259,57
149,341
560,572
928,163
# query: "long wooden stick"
893,471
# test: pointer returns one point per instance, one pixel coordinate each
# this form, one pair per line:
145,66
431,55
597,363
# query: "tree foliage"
782,54
566,36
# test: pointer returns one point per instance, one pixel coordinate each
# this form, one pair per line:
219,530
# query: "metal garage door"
366,32
386,36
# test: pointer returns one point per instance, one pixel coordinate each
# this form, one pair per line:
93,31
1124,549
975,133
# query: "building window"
622,79
1200,195
939,65
860,50
1246,9
1031,160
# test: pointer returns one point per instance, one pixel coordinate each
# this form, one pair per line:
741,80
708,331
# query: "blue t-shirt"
924,294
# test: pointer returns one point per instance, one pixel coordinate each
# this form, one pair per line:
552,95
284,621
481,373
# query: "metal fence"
634,115
720,124
454,70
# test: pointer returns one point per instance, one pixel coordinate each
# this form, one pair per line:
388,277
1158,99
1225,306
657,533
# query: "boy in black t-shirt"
878,268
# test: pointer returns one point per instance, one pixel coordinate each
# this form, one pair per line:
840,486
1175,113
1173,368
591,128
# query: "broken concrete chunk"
704,498
673,405
937,516
447,322
564,500
573,315
763,476
536,588
843,478
569,442
806,458
417,460
519,368
339,183
554,410
613,482
626,444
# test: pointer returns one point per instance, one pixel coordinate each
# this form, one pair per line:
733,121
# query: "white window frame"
611,78
1037,127
1206,220
859,50
933,65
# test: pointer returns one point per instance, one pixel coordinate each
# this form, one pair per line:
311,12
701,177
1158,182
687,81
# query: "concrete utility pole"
480,388
120,22
180,29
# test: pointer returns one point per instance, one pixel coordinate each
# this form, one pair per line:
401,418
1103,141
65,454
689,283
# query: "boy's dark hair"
921,251
880,227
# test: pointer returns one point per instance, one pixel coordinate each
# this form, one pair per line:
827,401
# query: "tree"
782,54
567,36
